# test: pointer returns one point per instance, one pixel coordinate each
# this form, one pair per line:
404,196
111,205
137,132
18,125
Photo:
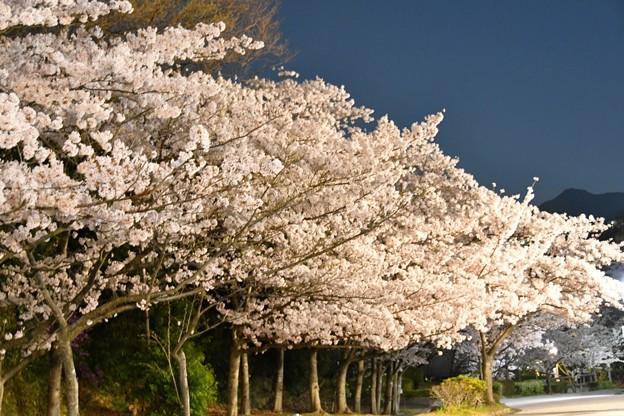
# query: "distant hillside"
578,201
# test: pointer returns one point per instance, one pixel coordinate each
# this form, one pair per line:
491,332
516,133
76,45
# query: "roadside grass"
495,410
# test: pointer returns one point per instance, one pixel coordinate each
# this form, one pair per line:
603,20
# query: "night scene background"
530,88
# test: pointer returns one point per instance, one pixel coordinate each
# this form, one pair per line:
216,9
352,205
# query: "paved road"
606,403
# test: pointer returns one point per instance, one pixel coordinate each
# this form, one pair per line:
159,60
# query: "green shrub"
509,388
600,385
413,378
461,390
158,390
559,386
529,387
498,388
413,384
416,393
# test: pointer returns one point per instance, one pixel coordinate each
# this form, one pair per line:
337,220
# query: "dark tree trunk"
279,382
549,382
54,382
2,381
235,358
389,389
380,375
359,381
373,387
246,398
1,393
315,390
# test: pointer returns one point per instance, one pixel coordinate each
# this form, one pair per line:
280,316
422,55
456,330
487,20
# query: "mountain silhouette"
578,201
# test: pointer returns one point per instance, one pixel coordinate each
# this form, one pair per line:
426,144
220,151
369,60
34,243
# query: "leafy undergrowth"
221,410
496,410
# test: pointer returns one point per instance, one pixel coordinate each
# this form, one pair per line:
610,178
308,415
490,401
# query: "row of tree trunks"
385,381
239,363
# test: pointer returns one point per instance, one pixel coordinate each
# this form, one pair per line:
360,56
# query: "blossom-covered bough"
127,181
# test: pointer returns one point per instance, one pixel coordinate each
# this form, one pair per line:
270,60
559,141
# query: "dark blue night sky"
530,88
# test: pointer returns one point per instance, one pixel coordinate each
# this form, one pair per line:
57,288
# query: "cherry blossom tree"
126,183
314,303
530,262
525,347
111,197
587,346
547,341
383,290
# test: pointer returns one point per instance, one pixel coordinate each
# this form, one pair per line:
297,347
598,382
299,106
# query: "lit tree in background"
531,262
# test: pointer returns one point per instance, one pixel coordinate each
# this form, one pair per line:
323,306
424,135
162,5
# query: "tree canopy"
127,181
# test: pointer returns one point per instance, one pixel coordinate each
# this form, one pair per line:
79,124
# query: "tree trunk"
549,382
397,391
315,390
380,374
1,393
373,387
180,358
235,355
389,388
2,381
341,384
359,381
486,370
246,396
54,381
487,353
148,329
279,382
69,371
